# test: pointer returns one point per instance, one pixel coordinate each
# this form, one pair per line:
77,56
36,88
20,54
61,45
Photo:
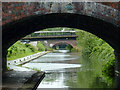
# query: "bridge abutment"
4,61
117,69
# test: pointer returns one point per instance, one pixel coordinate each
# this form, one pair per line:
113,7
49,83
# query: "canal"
65,70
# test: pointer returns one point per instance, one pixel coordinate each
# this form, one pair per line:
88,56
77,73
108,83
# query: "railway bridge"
52,38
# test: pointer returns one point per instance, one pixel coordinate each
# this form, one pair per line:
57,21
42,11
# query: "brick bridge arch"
21,19
73,44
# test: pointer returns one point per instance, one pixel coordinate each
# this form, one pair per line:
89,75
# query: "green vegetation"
40,46
33,69
69,47
19,50
109,70
49,49
96,54
98,61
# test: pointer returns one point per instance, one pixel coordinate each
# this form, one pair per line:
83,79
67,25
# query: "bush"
69,47
97,52
40,46
49,49
19,50
32,48
109,69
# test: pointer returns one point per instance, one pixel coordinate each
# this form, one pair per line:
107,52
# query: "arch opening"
62,46
65,42
17,30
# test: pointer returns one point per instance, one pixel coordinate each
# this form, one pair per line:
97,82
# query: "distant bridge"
50,38
51,34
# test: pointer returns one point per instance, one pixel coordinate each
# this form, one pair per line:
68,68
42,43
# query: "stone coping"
21,80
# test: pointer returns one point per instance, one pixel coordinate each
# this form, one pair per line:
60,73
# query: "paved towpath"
13,64
21,78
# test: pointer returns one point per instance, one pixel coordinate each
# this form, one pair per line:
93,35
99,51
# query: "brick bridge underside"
22,18
51,43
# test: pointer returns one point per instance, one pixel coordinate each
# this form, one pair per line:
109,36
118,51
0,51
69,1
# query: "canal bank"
21,80
16,64
20,77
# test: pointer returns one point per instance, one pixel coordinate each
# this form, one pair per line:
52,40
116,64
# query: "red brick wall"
15,10
115,5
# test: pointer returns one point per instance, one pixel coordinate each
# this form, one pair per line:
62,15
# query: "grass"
19,50
35,69
20,55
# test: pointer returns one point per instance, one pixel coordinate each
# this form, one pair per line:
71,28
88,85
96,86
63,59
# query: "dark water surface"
64,70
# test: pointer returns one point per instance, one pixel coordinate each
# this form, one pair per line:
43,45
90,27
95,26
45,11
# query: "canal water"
65,70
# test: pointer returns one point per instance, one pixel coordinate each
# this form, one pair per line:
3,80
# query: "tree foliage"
19,50
40,46
97,53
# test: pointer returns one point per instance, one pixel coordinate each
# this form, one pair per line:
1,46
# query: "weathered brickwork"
115,5
12,11
73,43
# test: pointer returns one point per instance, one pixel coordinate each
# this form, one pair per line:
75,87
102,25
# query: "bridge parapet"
16,10
52,34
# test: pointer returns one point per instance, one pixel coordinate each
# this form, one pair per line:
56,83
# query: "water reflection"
51,81
63,70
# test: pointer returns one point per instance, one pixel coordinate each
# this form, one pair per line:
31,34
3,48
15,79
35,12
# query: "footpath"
16,64
21,78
